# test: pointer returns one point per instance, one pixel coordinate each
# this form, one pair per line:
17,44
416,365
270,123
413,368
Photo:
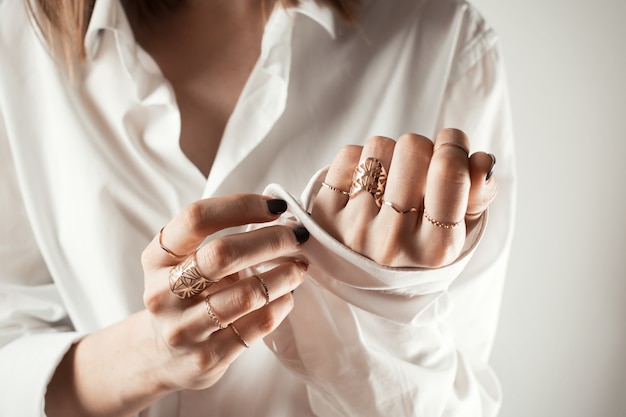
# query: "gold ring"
441,224
211,314
454,144
241,339
335,189
397,210
370,175
185,279
267,291
169,252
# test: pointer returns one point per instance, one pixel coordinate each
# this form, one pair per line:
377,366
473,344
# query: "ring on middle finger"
370,176
211,313
185,279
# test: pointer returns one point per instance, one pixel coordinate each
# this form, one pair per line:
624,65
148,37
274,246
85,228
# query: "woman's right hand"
179,343
194,339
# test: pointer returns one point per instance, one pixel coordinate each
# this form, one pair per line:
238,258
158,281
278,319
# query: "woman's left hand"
433,196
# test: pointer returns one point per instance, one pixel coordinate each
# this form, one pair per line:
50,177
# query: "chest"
207,63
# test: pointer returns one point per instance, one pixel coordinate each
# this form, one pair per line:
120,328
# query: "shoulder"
452,30
20,37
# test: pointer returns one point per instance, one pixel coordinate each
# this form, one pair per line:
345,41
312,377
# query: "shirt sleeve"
378,341
34,330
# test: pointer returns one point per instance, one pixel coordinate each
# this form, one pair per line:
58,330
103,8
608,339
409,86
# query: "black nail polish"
493,162
302,235
277,206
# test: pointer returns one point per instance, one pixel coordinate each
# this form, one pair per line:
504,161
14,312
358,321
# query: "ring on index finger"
166,249
185,279
370,176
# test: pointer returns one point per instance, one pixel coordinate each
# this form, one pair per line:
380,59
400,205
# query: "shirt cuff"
364,283
28,364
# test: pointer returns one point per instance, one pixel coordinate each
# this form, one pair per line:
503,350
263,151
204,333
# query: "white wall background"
561,346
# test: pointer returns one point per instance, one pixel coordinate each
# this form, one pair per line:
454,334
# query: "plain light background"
561,344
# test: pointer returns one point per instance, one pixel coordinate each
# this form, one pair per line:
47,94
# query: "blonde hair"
64,22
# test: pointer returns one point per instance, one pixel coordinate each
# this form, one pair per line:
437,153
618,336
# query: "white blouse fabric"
91,169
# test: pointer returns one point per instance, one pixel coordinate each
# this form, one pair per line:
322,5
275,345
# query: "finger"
228,254
484,186
381,149
334,194
220,258
442,232
406,182
228,343
202,218
219,308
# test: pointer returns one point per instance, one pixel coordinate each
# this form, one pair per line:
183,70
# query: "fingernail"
493,162
302,235
277,206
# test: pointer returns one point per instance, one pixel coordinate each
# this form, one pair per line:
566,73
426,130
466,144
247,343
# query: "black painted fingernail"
302,235
277,206
493,162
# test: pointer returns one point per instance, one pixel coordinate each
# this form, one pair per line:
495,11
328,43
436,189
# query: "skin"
173,344
440,177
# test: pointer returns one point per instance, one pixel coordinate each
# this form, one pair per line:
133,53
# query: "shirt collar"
109,15
321,14
106,15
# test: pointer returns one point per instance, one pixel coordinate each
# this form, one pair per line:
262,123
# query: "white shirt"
90,170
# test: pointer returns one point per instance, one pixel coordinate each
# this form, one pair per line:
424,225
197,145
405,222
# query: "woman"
116,120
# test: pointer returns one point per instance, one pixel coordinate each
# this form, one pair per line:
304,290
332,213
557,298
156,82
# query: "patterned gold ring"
440,224
185,279
370,176
209,310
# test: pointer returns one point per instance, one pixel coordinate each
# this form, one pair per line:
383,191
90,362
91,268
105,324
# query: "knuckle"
269,320
192,216
246,298
175,337
246,204
450,170
455,133
220,253
146,258
279,239
296,273
380,142
152,300
205,359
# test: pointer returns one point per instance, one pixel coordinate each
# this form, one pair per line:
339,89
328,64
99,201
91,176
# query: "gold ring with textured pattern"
370,176
185,279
